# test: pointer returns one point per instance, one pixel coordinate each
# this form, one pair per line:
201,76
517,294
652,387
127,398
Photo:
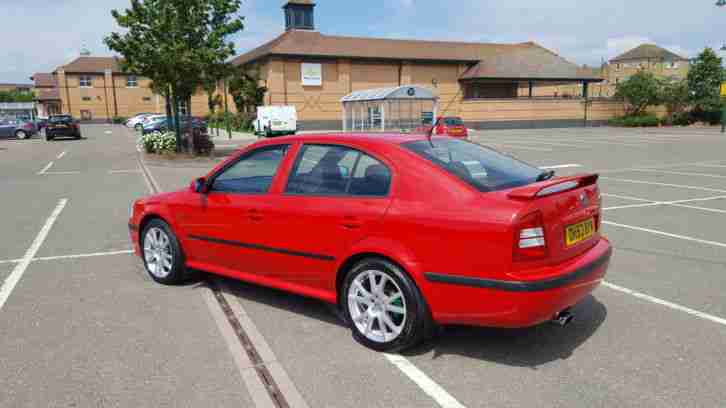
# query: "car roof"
353,137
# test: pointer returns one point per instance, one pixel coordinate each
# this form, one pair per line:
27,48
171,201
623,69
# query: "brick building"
488,85
647,57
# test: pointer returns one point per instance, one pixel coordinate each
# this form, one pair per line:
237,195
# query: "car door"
5,129
222,225
334,197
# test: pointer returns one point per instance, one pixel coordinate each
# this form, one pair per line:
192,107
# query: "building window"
496,90
146,99
85,81
131,81
86,98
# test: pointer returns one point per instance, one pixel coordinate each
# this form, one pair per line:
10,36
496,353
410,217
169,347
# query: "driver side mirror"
199,185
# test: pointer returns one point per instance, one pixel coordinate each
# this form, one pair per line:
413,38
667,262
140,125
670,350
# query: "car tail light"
530,242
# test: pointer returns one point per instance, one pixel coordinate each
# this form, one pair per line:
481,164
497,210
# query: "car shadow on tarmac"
529,347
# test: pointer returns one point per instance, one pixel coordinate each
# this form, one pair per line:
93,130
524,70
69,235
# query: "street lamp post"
722,3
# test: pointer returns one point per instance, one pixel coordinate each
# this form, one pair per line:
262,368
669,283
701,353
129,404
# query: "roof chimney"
299,15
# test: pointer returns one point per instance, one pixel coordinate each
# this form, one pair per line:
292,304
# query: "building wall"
620,71
109,96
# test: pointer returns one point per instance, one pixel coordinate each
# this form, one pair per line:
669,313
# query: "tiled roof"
92,65
525,60
648,51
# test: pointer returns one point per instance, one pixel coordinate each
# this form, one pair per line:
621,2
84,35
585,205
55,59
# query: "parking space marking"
681,173
513,147
666,303
666,234
660,166
560,166
624,197
719,166
136,171
427,385
55,173
652,203
74,256
60,156
46,168
653,183
12,280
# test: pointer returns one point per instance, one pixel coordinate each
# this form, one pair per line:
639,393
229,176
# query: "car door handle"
255,214
351,222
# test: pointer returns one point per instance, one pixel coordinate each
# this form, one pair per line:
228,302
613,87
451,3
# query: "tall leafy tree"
640,91
704,81
246,91
176,43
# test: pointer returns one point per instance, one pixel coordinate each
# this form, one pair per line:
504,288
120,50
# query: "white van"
276,120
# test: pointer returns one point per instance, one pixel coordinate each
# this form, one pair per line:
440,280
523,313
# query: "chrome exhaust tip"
563,318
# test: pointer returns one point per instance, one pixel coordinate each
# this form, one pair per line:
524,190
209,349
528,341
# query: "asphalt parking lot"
82,325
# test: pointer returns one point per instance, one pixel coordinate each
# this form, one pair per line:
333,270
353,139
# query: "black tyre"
162,255
78,136
383,306
48,136
21,134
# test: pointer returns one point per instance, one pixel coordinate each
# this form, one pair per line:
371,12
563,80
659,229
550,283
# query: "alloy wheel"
21,135
158,253
377,306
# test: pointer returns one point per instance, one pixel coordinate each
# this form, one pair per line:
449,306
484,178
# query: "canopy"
400,92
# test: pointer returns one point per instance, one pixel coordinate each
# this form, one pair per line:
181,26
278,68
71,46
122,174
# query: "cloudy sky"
39,35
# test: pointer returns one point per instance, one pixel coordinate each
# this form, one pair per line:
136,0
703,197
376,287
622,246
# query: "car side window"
337,170
253,173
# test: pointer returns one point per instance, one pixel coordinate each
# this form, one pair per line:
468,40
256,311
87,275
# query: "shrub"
639,92
119,120
163,143
635,121
682,119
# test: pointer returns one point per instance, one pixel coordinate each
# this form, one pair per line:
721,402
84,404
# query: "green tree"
16,96
639,92
704,81
246,91
175,42
675,97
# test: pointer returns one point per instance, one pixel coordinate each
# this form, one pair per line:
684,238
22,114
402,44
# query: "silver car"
16,128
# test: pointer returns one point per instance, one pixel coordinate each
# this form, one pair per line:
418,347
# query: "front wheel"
384,307
162,254
21,134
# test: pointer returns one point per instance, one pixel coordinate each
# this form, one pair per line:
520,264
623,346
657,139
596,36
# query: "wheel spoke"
396,309
388,322
369,326
362,290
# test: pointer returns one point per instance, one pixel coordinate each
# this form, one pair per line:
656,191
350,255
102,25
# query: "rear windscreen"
453,122
483,168
61,119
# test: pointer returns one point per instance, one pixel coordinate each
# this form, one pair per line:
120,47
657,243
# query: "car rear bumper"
513,304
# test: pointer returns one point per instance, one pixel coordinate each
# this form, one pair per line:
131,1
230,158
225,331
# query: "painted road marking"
74,256
666,234
12,280
506,146
60,156
427,385
652,183
55,173
560,166
681,173
666,303
719,166
651,203
46,168
124,171
658,166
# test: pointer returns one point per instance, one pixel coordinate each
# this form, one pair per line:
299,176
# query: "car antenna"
443,113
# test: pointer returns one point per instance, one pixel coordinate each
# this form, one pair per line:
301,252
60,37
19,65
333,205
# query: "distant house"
647,57
12,87
47,96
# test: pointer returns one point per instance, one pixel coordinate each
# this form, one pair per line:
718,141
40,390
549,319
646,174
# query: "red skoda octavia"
399,231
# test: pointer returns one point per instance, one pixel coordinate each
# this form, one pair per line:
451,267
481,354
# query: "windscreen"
453,122
61,119
483,168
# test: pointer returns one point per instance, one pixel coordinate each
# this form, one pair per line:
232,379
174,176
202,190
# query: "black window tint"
483,168
453,122
251,174
322,170
371,178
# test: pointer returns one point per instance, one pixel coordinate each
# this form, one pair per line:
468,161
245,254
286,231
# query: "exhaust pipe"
563,318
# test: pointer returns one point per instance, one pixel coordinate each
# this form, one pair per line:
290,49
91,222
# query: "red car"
451,126
400,232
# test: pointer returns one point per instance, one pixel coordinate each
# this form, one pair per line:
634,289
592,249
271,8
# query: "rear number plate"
579,232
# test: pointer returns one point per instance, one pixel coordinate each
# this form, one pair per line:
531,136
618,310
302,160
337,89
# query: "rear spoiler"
553,186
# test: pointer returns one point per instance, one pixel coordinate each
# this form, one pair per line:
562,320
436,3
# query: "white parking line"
46,168
60,156
657,166
624,197
716,166
513,147
427,385
51,173
681,173
560,166
124,171
12,280
663,184
666,234
74,256
666,303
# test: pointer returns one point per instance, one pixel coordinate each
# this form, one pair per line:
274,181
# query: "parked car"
449,126
148,119
62,125
276,120
16,128
400,232
161,125
133,121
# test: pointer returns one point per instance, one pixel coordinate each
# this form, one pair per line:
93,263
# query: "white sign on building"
312,74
